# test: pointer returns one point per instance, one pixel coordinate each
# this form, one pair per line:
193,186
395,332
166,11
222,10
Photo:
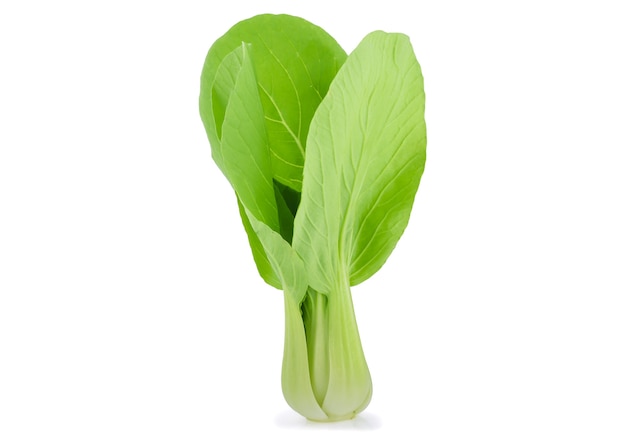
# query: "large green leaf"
366,151
245,149
295,62
241,150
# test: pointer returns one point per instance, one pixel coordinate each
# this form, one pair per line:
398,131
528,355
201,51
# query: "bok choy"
325,153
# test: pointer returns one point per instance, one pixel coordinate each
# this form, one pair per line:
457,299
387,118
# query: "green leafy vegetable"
325,155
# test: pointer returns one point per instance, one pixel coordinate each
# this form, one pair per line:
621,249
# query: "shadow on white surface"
288,419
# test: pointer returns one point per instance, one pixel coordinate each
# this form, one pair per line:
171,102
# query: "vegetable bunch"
325,153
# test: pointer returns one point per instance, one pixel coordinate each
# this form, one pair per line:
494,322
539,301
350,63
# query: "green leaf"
240,148
245,150
365,156
295,62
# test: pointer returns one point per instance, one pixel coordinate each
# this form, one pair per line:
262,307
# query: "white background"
131,314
